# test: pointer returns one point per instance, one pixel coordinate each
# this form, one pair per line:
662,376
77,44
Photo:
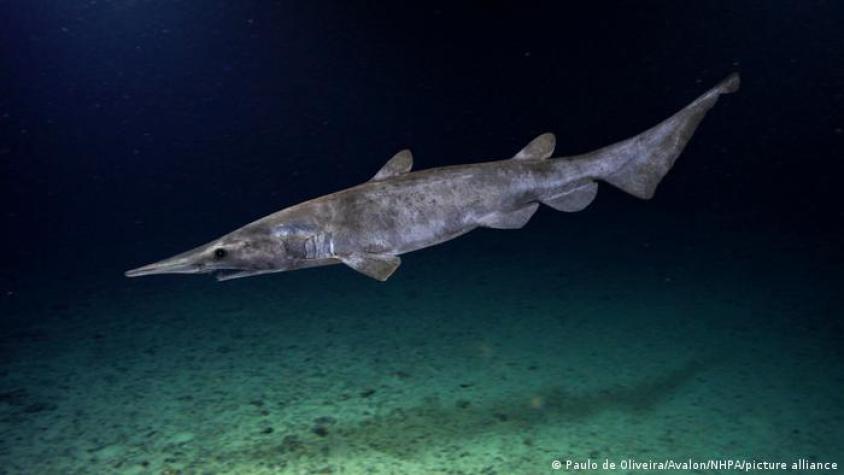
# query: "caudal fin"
637,165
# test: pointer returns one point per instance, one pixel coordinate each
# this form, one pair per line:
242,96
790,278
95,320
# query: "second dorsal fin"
400,164
539,148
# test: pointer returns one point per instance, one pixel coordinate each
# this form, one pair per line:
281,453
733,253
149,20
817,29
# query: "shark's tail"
638,164
643,160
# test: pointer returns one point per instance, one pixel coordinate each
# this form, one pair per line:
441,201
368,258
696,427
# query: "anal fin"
377,266
574,199
509,219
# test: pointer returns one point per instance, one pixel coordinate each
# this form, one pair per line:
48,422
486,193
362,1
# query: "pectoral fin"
377,266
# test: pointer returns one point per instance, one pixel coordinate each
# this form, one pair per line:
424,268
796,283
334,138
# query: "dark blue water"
703,323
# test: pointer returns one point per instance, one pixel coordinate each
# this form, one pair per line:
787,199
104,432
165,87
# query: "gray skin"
369,225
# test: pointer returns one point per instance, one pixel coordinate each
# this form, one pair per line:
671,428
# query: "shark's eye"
219,253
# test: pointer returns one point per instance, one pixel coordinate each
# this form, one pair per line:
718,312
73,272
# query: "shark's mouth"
237,274
222,275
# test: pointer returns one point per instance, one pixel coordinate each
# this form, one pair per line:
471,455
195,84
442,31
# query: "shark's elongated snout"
188,263
167,266
223,256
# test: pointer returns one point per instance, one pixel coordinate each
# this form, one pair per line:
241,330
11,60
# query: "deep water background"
133,130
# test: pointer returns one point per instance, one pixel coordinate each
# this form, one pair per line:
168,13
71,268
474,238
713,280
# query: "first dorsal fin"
400,164
539,148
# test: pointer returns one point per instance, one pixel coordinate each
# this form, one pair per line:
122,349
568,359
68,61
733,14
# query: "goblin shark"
368,226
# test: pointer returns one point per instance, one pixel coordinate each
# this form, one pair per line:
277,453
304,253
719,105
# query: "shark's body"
398,211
